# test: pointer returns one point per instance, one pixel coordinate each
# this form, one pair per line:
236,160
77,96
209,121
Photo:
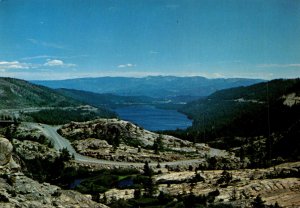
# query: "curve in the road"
60,142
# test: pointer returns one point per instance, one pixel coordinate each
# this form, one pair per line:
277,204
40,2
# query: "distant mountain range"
107,99
151,86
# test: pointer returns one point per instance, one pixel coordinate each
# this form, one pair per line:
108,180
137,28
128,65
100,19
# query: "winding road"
60,142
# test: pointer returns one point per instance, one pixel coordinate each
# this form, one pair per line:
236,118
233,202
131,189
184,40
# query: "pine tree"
258,202
149,186
158,145
137,193
147,169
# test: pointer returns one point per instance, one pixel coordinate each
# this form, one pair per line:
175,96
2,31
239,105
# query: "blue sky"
59,39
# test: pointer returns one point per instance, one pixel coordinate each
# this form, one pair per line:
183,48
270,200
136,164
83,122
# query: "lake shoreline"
153,118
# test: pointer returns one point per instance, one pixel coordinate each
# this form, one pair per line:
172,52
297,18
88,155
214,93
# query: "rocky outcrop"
30,150
291,99
5,151
25,192
6,159
17,190
242,187
96,139
116,194
108,129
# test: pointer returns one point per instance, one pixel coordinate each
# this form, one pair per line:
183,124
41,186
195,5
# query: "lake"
154,119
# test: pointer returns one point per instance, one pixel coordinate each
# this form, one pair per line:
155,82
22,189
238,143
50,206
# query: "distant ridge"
41,104
107,99
259,109
152,86
16,93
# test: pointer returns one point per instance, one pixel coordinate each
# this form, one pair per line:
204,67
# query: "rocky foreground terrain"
279,184
118,140
20,159
17,190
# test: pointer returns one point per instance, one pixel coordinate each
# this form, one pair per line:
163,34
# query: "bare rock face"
30,150
97,138
116,194
6,149
25,192
291,99
108,129
17,190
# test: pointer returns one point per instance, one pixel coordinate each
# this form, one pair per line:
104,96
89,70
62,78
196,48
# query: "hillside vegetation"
15,93
261,121
259,109
46,105
107,99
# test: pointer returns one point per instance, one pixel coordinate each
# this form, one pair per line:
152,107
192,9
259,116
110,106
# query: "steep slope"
29,102
264,119
152,86
15,93
248,110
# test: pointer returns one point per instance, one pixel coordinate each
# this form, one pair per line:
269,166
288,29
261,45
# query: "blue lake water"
75,183
154,119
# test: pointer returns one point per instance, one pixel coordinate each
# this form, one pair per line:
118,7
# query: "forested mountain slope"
107,99
259,109
16,93
261,121
30,102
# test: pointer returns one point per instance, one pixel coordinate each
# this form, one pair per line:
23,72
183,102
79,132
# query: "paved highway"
60,142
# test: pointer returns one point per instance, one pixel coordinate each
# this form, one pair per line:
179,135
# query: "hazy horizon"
53,39
145,76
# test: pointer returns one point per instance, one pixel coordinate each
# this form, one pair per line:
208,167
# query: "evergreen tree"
276,205
148,182
158,145
258,202
149,186
147,170
65,154
137,193
8,133
225,178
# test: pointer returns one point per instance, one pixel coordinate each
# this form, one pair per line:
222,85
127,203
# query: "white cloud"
45,44
126,65
7,65
57,62
54,62
54,57
153,52
36,57
277,65
218,75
